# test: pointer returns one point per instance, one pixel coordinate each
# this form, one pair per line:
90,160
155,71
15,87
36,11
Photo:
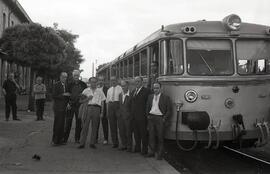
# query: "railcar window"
125,69
171,57
121,69
143,62
130,67
117,70
114,69
137,65
209,57
253,57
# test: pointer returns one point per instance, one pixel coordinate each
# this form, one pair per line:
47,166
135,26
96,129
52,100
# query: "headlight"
191,96
229,103
233,22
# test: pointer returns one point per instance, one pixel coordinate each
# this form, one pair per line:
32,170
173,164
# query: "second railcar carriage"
217,74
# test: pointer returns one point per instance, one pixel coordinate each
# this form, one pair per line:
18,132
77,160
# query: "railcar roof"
203,28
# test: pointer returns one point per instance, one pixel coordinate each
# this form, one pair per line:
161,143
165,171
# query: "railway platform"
21,140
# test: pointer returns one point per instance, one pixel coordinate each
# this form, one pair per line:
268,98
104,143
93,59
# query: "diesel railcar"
217,74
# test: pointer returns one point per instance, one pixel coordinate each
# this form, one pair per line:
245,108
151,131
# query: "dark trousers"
156,129
58,126
105,127
125,132
69,118
10,101
113,108
40,108
140,135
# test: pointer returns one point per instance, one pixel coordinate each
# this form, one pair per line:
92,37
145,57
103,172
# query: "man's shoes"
105,142
92,146
144,154
80,146
16,119
63,143
115,146
77,141
129,150
55,144
7,119
123,148
150,155
137,151
159,157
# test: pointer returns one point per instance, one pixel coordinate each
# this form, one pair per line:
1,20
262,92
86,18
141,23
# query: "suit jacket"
164,104
125,108
138,103
60,101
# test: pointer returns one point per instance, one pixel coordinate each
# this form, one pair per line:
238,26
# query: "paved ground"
19,141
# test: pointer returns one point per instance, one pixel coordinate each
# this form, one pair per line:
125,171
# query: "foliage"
46,50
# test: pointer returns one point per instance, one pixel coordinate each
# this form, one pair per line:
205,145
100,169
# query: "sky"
107,28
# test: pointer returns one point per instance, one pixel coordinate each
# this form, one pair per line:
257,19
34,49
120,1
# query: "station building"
11,14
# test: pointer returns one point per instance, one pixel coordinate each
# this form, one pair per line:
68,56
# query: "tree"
46,50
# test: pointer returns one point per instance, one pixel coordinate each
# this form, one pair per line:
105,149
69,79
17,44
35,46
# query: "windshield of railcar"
209,57
253,57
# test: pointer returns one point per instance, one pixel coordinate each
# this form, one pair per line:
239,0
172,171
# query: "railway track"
251,156
221,161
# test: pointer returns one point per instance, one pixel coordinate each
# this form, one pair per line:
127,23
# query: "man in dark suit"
104,119
124,118
10,89
158,110
75,88
138,110
60,97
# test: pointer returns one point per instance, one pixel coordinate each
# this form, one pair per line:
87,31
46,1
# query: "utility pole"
93,69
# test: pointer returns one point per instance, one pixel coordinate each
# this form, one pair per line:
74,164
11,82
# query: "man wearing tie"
60,97
158,110
138,110
124,118
113,108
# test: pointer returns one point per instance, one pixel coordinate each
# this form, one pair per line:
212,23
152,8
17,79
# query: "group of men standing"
142,113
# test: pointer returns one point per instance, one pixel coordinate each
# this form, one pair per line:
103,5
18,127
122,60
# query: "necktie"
135,93
113,93
64,87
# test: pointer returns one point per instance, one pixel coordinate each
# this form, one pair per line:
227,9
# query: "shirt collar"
157,95
126,94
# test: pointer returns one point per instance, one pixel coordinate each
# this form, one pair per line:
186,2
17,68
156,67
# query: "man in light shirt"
158,110
104,118
113,106
95,98
40,96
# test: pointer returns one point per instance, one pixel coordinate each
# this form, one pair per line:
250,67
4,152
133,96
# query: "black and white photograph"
127,87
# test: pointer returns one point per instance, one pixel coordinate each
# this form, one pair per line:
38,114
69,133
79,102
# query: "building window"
12,23
144,62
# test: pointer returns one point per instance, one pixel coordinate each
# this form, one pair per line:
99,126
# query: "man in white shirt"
158,110
113,106
95,109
